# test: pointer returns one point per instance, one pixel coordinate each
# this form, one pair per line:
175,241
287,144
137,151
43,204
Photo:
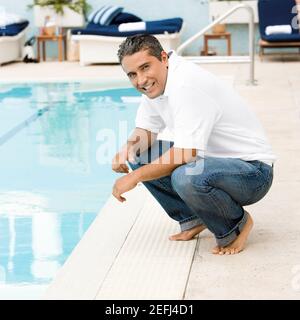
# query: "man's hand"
124,184
119,162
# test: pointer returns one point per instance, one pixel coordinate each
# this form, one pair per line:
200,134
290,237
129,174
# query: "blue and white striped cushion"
104,15
94,16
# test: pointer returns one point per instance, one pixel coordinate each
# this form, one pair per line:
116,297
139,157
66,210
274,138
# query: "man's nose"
141,81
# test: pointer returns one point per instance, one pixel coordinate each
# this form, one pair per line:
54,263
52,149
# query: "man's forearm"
164,165
161,167
154,171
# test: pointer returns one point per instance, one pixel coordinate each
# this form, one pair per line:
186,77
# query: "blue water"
56,142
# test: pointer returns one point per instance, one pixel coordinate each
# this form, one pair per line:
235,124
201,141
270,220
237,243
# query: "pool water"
55,173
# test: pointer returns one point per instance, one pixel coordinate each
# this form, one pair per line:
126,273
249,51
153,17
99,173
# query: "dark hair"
138,43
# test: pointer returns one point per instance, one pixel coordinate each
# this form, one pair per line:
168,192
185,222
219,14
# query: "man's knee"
183,182
179,179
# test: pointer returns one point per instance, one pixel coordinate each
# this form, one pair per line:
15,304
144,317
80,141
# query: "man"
219,160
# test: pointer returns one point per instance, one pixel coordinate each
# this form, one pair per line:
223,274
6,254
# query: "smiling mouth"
147,88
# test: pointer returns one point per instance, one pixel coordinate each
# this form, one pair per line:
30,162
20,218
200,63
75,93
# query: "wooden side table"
217,36
61,42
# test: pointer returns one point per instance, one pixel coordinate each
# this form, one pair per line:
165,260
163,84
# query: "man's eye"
146,67
131,76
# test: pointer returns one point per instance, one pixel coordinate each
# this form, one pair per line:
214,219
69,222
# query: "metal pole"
251,46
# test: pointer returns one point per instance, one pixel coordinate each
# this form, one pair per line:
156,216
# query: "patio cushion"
152,27
125,17
277,12
13,29
104,15
294,37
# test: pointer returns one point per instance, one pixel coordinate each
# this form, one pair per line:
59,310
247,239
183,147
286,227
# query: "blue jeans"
211,191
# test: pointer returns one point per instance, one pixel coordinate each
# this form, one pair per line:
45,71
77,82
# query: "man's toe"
216,250
228,250
222,251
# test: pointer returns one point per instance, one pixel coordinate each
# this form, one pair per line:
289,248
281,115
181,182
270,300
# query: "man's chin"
152,95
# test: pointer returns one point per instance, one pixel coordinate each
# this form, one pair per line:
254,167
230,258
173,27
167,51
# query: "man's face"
146,73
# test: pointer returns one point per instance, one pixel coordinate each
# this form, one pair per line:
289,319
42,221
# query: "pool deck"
126,253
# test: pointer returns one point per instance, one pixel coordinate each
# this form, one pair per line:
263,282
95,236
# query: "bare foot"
188,234
239,243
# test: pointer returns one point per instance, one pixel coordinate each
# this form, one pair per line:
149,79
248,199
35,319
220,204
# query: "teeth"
148,87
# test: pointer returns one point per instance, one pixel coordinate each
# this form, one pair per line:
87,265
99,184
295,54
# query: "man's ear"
164,56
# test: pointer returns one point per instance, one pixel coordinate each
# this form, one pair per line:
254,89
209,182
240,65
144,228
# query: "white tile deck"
126,253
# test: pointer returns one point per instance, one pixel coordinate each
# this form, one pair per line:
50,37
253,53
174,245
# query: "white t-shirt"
204,113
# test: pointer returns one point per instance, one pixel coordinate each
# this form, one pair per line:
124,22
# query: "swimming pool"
56,143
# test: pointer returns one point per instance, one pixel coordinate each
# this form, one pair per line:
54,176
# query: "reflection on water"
51,185
35,245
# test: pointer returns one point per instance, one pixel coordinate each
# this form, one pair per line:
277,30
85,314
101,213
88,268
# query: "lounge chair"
100,43
280,14
12,38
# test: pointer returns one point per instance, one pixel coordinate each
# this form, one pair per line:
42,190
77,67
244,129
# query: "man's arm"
140,140
161,167
165,164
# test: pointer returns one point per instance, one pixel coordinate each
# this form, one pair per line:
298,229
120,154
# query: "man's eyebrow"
142,65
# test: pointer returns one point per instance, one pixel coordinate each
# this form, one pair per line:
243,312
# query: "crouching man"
219,159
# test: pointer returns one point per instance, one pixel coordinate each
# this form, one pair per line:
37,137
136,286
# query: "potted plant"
65,13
